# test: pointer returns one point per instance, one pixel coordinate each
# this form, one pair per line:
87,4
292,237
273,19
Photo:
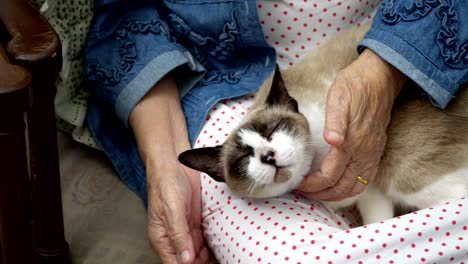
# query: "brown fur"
424,142
235,178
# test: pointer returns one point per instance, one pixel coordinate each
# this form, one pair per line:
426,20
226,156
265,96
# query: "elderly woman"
156,69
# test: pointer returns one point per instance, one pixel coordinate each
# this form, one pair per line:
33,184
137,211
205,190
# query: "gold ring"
362,180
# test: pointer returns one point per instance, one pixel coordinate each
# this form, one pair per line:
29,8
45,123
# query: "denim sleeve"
426,40
129,49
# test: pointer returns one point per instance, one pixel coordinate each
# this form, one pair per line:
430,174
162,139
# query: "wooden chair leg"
51,246
14,192
32,44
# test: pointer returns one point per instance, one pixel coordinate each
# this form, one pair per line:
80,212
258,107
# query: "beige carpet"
105,223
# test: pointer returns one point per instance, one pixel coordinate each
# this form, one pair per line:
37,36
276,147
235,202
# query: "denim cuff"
411,62
151,74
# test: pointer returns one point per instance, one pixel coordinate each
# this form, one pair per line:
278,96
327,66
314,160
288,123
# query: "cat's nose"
268,158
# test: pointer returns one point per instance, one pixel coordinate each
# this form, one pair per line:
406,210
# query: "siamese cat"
425,161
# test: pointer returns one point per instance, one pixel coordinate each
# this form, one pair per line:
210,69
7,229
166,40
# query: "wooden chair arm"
13,83
31,37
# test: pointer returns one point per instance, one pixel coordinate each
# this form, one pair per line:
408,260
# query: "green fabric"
71,20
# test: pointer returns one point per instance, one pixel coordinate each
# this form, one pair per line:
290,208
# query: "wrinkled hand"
358,112
174,215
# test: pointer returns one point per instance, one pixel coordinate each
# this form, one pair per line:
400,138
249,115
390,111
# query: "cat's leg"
374,206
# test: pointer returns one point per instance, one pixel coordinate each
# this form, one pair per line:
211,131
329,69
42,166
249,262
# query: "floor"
104,221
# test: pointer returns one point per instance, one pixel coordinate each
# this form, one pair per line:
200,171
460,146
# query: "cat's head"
267,155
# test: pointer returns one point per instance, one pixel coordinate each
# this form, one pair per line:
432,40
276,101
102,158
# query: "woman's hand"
359,106
174,196
174,215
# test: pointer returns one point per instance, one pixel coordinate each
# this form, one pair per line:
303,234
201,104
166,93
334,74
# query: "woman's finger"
203,257
174,217
330,173
366,178
336,116
349,185
171,238
161,243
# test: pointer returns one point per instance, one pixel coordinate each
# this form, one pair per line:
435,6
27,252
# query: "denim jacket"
216,50
427,41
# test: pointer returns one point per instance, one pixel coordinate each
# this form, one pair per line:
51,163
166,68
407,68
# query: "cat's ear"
279,94
206,160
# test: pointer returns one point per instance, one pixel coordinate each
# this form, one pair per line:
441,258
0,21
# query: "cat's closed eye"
265,129
244,149
249,151
270,134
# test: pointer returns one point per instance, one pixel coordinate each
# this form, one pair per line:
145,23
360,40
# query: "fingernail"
185,256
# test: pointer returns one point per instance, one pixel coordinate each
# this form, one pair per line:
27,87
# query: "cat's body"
425,161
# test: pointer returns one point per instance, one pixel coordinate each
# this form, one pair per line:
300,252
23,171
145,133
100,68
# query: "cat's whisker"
419,168
251,188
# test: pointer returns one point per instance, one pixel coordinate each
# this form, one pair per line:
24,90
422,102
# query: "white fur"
374,206
449,187
287,148
262,173
289,152
315,115
250,138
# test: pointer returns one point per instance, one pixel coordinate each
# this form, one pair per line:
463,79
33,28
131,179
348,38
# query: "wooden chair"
31,221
